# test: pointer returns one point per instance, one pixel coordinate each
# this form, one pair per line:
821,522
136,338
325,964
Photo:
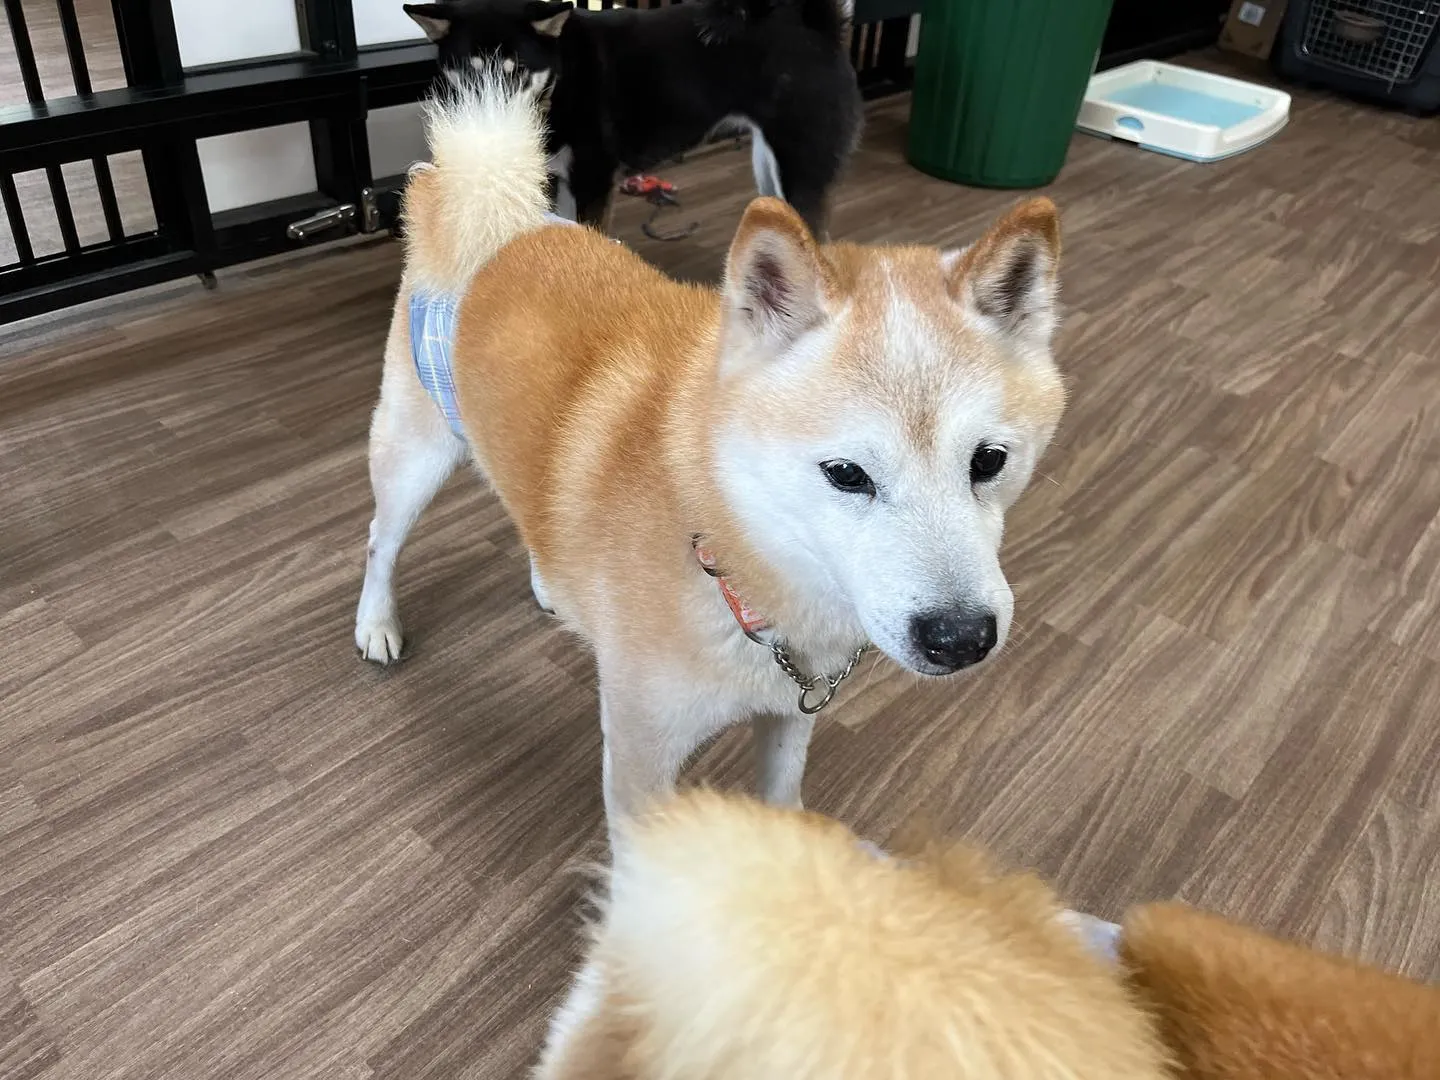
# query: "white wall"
212,31
379,22
256,166
397,139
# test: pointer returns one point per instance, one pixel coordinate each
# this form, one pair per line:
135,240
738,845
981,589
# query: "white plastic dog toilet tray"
1188,114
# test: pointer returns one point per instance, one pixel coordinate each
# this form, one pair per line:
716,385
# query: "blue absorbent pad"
1183,104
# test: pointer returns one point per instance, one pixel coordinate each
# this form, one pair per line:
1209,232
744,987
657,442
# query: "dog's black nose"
954,640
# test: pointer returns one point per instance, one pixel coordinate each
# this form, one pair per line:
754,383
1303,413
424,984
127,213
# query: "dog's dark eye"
847,476
986,463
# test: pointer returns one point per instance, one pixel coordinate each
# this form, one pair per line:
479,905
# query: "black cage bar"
161,112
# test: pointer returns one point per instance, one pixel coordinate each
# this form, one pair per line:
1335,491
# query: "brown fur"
1235,1004
753,943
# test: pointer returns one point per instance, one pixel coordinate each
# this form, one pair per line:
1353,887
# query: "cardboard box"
1252,27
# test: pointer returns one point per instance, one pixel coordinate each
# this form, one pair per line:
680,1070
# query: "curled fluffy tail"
486,180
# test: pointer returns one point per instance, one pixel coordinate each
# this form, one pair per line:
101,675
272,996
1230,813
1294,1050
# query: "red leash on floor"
661,195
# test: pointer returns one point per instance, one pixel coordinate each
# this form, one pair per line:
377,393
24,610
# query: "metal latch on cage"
344,216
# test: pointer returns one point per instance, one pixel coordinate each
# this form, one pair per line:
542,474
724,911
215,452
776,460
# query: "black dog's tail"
724,20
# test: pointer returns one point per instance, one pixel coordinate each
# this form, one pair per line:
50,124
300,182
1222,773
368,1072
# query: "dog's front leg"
643,754
781,744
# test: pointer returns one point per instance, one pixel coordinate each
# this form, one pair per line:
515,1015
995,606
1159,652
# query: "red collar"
751,621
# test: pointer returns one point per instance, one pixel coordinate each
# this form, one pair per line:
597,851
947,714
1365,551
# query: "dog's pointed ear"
548,16
434,19
1009,277
775,277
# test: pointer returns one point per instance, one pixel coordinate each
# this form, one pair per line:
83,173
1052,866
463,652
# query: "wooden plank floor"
228,849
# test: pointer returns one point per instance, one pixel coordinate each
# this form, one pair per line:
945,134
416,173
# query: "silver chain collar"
824,685
816,691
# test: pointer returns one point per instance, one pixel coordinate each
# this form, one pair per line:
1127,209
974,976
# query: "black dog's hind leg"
806,186
811,137
592,182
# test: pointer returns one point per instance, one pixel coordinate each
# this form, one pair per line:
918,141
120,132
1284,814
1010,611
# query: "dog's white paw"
379,639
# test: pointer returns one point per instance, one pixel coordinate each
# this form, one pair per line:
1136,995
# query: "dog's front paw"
379,638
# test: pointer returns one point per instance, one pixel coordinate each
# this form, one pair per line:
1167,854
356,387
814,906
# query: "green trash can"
998,85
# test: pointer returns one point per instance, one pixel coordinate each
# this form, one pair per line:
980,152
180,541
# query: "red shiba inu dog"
729,494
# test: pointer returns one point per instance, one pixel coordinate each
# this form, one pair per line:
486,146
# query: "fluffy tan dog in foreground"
742,942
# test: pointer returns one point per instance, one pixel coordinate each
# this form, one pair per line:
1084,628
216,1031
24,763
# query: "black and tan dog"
632,88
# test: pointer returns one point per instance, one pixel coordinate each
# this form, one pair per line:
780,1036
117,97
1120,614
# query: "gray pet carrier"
1383,50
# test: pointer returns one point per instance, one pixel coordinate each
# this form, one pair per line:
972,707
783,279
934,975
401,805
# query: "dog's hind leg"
781,744
412,453
564,196
799,174
810,139
592,183
539,590
565,200
809,197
